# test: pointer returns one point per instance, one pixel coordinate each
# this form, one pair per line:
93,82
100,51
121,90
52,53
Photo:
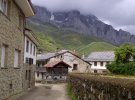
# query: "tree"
124,54
124,60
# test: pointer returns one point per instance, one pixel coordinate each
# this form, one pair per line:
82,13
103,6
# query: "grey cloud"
118,13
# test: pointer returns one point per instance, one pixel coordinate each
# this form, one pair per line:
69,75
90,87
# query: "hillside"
96,46
51,38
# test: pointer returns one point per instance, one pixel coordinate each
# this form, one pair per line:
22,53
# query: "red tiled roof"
54,63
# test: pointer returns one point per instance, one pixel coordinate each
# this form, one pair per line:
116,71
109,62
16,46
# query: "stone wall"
29,79
11,78
93,87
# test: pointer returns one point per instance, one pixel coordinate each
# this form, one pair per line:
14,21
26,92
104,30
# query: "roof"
31,35
26,7
101,56
55,63
45,56
42,57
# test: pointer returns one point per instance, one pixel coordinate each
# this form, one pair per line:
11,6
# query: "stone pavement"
47,92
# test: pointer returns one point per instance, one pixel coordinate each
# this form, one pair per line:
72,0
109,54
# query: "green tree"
124,60
124,54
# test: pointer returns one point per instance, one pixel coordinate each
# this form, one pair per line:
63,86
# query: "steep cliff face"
84,24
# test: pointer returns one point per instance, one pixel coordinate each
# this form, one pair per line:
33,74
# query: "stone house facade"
78,65
12,23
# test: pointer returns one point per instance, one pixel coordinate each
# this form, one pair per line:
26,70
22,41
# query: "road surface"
47,92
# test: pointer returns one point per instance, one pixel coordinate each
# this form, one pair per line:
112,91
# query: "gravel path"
47,92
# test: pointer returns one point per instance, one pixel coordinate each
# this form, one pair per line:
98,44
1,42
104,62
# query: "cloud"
118,13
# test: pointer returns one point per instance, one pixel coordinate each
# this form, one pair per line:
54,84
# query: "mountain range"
84,24
75,31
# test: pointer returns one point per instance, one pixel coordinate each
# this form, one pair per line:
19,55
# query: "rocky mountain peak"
85,24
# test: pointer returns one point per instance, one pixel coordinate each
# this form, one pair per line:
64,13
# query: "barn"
57,69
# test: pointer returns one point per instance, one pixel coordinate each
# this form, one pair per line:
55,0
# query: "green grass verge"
71,92
96,46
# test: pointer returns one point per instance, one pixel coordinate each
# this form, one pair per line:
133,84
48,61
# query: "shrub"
123,69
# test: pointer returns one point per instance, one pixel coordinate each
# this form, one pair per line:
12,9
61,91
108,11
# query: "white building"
30,49
99,60
31,44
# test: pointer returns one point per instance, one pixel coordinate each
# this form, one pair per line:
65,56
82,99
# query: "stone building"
71,58
13,15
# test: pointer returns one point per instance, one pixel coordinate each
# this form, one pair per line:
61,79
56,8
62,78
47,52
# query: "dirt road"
47,92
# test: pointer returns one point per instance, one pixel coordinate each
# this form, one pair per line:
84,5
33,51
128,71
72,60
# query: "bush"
123,69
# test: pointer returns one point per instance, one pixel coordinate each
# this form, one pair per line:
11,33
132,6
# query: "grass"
70,92
96,46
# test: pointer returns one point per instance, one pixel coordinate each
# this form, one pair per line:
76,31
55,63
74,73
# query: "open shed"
57,69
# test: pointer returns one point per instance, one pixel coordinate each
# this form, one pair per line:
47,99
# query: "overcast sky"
118,13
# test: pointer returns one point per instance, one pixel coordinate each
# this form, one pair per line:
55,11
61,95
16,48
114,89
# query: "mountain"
88,25
53,34
51,37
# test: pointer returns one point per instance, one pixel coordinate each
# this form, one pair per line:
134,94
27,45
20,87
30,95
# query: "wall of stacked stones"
93,87
26,82
10,35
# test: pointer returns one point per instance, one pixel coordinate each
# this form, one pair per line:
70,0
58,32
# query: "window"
95,71
34,52
4,6
26,75
101,63
61,57
4,54
29,61
27,46
26,60
31,49
95,63
75,67
16,58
